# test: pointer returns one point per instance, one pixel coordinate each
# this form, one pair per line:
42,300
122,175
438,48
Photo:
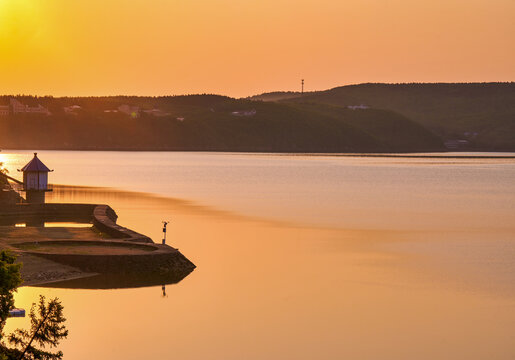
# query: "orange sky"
240,48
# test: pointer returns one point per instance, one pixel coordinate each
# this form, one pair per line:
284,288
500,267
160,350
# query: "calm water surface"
299,257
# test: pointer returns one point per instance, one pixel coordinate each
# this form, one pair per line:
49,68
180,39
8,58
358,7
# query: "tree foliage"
46,318
10,279
46,329
209,123
482,113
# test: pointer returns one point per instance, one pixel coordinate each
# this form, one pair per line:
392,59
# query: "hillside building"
130,110
358,107
16,107
244,113
72,110
156,112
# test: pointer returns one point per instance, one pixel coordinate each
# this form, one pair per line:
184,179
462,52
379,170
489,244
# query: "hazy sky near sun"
244,47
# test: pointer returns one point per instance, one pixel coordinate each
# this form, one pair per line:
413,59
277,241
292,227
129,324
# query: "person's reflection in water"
163,287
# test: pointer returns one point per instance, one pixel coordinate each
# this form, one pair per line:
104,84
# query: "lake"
298,256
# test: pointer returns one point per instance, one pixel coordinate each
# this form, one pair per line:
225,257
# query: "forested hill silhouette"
475,116
207,123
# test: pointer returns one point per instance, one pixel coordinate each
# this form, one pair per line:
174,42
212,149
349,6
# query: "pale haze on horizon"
241,48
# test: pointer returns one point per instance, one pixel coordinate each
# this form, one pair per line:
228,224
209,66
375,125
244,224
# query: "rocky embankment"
106,249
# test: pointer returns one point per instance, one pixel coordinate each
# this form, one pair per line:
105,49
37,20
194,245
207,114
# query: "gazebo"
35,180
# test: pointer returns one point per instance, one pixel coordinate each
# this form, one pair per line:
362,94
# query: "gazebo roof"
35,165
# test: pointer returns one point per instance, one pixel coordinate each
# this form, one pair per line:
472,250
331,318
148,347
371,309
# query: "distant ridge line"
397,156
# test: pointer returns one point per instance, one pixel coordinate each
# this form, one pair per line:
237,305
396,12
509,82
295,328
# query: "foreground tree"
10,279
46,329
47,320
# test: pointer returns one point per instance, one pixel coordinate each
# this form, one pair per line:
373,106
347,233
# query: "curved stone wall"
103,217
162,262
163,259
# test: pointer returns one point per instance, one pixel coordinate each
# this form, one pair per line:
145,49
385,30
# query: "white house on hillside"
129,110
72,110
16,107
358,107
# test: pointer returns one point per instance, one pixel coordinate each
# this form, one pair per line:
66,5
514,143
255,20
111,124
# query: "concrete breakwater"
20,213
106,248
103,217
152,258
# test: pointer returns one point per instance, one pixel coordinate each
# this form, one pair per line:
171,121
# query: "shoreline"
408,154
51,255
